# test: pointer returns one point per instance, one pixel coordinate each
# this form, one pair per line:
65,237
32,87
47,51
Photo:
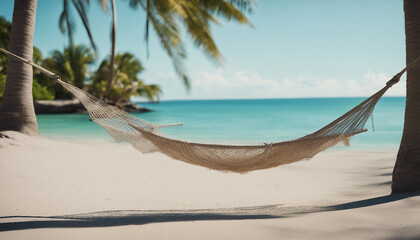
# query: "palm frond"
81,6
166,27
196,21
65,22
226,9
245,5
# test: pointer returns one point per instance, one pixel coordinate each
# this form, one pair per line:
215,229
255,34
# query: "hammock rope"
146,137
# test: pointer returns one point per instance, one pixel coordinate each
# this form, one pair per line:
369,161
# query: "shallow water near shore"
245,121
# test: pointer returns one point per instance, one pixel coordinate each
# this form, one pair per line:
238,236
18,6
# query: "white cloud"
242,84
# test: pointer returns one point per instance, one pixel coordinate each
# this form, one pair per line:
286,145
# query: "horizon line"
235,99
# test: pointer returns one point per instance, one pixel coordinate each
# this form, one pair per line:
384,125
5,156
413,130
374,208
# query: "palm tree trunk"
406,175
111,62
17,107
122,96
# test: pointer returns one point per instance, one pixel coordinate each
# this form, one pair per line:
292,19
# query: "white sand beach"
82,190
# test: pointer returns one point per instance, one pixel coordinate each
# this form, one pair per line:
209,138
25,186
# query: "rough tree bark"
17,108
406,175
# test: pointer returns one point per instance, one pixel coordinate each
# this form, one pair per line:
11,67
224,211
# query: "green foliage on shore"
2,84
126,83
40,90
5,28
73,65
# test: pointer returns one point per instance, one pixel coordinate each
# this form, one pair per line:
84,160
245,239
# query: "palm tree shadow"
140,217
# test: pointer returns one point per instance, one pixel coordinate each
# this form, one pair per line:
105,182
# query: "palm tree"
406,175
17,107
166,17
126,81
72,65
66,25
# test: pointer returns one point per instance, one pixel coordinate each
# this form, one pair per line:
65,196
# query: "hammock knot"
393,80
268,146
55,78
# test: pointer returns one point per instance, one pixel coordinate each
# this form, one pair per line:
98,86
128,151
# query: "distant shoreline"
74,106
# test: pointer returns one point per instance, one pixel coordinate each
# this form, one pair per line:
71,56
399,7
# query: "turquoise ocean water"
245,121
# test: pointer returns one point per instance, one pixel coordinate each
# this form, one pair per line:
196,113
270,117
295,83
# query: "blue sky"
301,48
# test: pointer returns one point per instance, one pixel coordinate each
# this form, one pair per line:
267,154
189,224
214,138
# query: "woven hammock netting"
146,137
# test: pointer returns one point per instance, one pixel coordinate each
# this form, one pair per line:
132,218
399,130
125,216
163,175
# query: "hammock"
146,137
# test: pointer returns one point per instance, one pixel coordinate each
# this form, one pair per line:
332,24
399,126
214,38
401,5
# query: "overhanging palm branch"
196,16
66,22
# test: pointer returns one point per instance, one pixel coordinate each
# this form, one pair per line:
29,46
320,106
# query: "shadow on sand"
139,217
